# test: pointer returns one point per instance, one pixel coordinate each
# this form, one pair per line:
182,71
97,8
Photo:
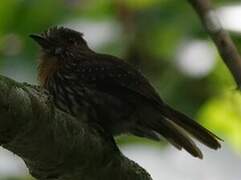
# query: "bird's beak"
42,41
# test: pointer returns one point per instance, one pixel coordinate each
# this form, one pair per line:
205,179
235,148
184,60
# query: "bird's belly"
110,112
114,113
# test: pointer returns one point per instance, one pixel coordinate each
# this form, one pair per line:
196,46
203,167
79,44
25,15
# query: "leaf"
223,114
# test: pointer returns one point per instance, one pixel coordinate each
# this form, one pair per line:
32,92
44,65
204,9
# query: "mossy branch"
55,145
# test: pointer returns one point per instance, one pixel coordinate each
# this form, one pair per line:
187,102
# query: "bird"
119,99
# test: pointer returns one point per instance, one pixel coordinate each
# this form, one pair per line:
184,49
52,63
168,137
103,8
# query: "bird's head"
61,42
59,46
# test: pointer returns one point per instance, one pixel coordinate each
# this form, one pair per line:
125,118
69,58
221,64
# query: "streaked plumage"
122,98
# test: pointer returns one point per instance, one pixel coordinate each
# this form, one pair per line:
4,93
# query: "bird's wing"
111,74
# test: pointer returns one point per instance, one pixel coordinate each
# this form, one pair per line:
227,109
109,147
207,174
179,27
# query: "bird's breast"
47,67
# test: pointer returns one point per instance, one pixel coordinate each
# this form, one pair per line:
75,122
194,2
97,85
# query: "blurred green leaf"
142,4
223,115
7,12
221,79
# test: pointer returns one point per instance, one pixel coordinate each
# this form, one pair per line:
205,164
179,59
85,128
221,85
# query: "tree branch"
221,38
55,145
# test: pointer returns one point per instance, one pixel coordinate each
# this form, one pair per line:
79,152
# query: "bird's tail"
176,128
192,127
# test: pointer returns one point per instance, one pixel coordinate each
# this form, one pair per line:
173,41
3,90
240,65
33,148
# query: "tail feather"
170,131
192,127
144,132
177,137
176,127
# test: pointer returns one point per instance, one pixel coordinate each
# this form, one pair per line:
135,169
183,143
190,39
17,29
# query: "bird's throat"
47,67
